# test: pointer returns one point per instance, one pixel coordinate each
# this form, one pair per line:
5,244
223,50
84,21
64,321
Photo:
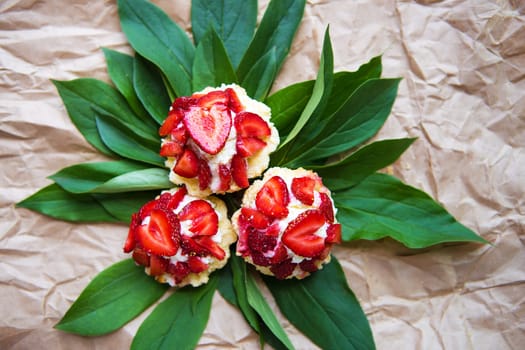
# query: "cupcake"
217,139
179,238
286,224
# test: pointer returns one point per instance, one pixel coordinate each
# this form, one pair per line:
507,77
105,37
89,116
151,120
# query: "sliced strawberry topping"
250,124
171,149
333,233
140,257
179,134
160,235
308,265
280,254
300,235
213,98
179,270
184,102
204,219
157,265
235,105
303,189
204,174
240,171
174,117
146,209
248,146
196,265
284,269
225,178
176,198
206,243
273,198
326,207
187,165
130,243
209,129
255,218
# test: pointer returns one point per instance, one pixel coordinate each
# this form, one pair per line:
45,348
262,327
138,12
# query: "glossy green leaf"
123,205
275,32
138,180
57,203
125,144
86,177
120,70
357,121
259,304
211,66
114,297
160,40
324,308
362,163
260,78
382,206
233,20
179,321
150,89
225,285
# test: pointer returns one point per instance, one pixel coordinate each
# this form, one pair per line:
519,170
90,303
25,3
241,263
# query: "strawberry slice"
240,171
204,174
187,165
174,117
184,102
280,254
176,198
130,243
160,234
333,233
157,265
196,265
178,134
179,270
283,269
209,129
300,235
255,218
326,207
308,265
213,98
225,177
273,198
250,124
235,105
201,246
303,189
204,219
248,146
171,149
141,257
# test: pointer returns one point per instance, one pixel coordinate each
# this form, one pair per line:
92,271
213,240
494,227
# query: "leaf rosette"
325,125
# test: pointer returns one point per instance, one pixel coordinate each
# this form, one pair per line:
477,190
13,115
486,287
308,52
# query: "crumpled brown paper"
462,95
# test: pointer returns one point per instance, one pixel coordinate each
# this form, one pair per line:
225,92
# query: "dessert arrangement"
217,179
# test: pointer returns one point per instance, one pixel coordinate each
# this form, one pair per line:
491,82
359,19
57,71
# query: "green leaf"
85,177
257,301
211,66
233,20
138,180
366,161
382,206
149,86
179,321
120,70
225,285
123,205
113,298
260,78
276,32
57,203
324,308
125,144
160,40
357,121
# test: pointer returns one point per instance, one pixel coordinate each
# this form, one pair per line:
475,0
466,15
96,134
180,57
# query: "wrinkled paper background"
462,95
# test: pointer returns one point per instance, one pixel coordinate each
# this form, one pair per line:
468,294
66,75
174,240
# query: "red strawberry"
171,149
308,265
174,117
130,243
179,134
326,207
284,269
157,265
300,235
303,189
272,199
204,174
213,98
235,105
333,233
206,243
251,125
209,129
196,265
280,254
248,146
141,257
184,102
255,218
204,219
240,171
179,270
176,198
160,235
187,165
146,209
225,177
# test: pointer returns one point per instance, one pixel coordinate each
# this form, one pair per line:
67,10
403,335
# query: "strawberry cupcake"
217,139
286,224
180,239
